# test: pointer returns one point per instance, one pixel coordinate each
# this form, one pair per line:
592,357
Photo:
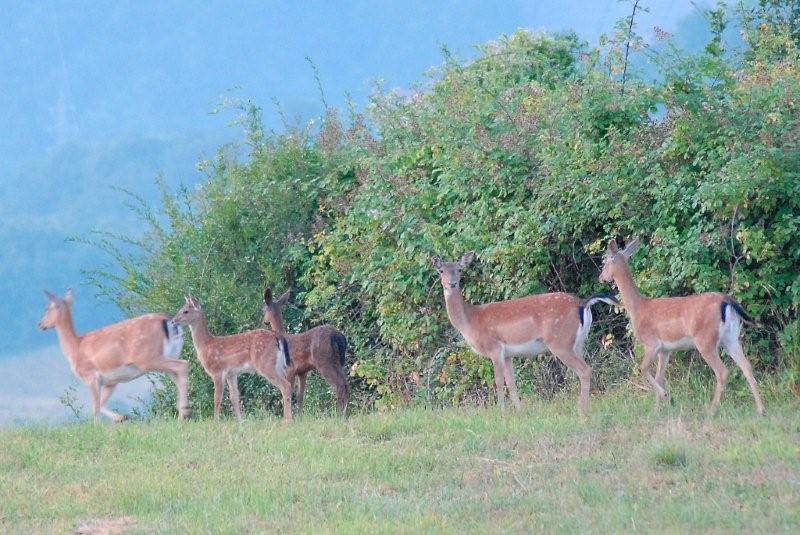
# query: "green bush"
532,154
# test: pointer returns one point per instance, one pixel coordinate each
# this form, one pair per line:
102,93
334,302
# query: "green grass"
625,467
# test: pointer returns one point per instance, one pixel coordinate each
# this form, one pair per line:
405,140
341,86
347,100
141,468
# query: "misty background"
99,97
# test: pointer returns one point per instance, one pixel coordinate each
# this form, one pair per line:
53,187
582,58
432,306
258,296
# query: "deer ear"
612,247
50,297
267,295
631,248
466,259
436,262
284,298
69,297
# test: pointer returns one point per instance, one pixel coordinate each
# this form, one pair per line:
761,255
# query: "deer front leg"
105,393
233,392
219,389
497,362
301,390
508,374
94,391
661,372
644,368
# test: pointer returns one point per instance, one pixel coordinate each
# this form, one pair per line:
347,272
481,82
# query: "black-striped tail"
339,344
594,299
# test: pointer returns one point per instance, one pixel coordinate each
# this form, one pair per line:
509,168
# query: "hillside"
624,468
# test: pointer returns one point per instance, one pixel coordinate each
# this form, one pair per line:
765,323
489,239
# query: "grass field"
625,467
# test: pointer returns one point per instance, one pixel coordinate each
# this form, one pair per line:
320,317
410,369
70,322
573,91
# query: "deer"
224,358
556,322
321,348
705,321
118,353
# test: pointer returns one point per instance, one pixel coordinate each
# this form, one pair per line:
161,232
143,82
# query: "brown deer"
118,353
662,325
558,322
321,348
225,357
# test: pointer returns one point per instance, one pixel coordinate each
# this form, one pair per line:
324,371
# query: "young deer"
118,353
321,348
662,325
558,322
225,357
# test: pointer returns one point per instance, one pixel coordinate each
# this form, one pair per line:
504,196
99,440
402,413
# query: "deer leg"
737,354
497,362
301,390
644,368
508,373
578,365
286,393
233,392
710,354
93,384
335,377
105,393
178,371
661,372
219,389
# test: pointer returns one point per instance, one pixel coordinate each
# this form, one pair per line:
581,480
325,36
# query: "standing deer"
225,357
558,322
662,325
118,353
321,348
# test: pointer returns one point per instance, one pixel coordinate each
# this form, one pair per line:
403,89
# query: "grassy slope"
624,468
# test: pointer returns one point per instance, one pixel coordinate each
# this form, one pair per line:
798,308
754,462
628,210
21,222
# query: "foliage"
530,154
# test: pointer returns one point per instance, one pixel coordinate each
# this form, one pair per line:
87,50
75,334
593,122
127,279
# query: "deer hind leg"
335,377
301,390
178,371
737,354
508,373
578,365
710,354
233,392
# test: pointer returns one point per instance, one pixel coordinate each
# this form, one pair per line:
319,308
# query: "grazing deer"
225,357
118,353
321,348
558,322
662,325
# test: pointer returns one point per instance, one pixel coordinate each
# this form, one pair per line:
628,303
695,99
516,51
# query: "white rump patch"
583,331
174,343
280,359
731,328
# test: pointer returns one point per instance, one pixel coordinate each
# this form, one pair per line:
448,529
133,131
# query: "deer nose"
453,284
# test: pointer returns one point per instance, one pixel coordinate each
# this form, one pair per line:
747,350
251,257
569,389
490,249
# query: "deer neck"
67,338
631,297
458,310
200,334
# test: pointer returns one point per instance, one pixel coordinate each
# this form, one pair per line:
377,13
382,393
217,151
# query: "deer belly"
123,374
678,345
532,347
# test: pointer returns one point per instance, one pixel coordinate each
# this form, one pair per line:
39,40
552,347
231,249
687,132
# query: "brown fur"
310,350
660,324
134,345
225,357
500,330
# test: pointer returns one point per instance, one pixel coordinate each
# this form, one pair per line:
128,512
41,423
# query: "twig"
628,46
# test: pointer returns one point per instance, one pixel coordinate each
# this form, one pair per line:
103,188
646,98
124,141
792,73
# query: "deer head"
615,259
450,272
55,309
190,312
273,310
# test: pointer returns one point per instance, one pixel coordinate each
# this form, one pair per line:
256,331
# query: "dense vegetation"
533,154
